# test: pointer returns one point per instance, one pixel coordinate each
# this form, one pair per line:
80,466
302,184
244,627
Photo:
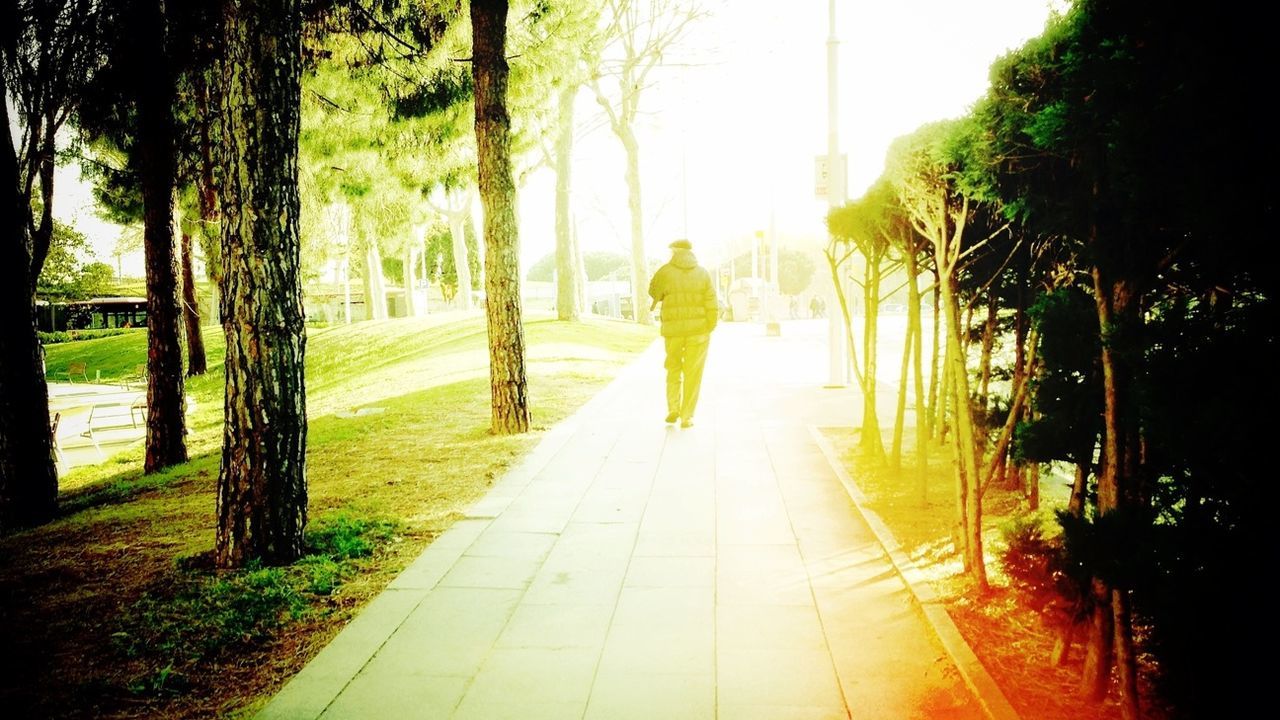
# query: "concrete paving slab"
630,569
636,696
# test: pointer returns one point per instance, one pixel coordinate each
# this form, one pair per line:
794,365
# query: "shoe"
672,417
686,423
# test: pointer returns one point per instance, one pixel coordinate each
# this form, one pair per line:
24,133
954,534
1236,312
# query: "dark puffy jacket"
688,298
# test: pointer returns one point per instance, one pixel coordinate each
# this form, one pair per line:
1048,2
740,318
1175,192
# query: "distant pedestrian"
795,308
815,307
690,312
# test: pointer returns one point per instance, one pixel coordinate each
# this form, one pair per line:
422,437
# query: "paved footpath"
631,569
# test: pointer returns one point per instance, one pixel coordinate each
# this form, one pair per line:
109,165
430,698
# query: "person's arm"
712,303
655,289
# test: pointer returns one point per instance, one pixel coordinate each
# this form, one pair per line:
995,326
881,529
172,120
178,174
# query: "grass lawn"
112,611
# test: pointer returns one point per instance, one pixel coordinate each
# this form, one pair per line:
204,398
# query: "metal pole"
838,366
773,327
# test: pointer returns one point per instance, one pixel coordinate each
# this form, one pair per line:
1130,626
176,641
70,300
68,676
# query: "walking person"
689,314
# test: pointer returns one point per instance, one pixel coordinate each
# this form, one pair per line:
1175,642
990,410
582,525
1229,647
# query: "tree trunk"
995,466
1075,508
639,263
923,431
900,409
43,235
567,290
375,289
1118,320
1031,484
1098,643
872,442
966,437
28,474
206,186
843,300
1017,474
166,442
346,286
934,412
461,262
959,529
507,381
942,422
197,363
988,342
409,279
262,481
580,268
1125,654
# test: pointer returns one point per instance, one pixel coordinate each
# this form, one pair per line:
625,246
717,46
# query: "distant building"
100,312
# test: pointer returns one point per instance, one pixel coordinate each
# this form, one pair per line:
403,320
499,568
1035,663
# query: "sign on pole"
820,176
822,186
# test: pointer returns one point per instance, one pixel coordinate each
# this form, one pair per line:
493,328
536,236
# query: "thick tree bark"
567,290
262,481
507,380
166,441
28,474
197,363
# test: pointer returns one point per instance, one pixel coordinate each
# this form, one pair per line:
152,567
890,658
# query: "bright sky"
734,137
729,139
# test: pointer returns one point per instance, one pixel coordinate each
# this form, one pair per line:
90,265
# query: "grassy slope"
417,465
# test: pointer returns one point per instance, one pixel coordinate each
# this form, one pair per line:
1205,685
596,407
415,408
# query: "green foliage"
430,376
1067,392
66,274
114,355
597,263
440,261
1035,559
795,271
96,278
66,336
440,93
203,615
346,537
198,616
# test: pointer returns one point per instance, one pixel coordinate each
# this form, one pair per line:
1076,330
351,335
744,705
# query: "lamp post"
773,327
837,366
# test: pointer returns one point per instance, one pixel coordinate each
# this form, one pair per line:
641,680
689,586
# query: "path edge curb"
976,677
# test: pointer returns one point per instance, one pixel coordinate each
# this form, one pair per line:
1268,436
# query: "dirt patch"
1002,626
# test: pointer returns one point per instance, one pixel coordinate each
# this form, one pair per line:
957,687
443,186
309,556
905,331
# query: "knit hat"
681,244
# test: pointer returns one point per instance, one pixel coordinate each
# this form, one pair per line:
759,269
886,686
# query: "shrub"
64,336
